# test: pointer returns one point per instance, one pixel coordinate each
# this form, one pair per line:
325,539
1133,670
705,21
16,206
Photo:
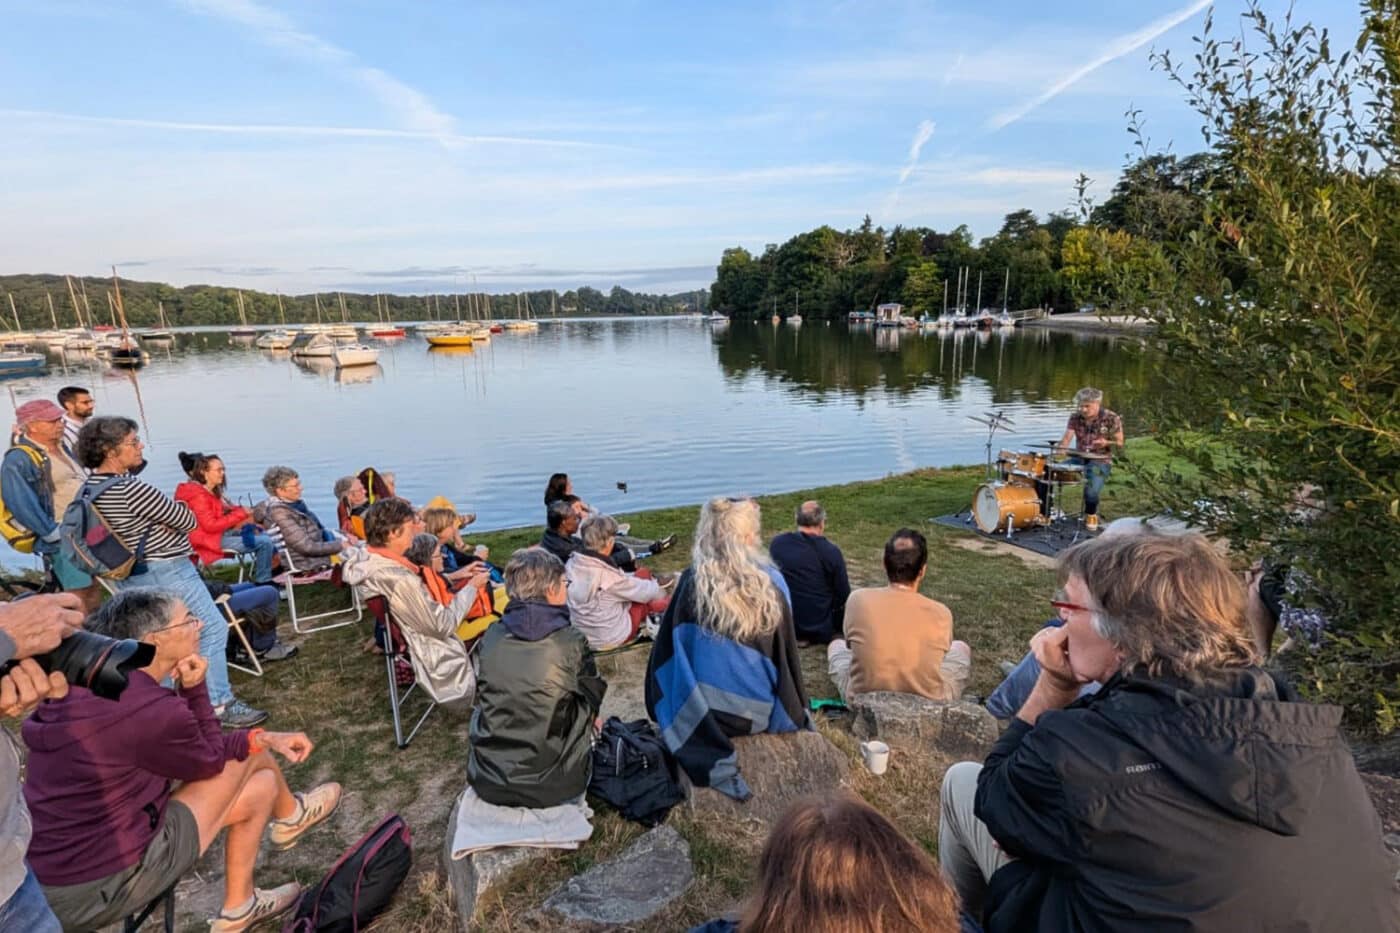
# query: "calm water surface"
675,408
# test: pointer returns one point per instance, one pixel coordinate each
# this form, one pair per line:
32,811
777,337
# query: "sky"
445,145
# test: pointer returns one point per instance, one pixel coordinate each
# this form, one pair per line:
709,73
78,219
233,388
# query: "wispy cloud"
1116,49
275,29
295,130
921,136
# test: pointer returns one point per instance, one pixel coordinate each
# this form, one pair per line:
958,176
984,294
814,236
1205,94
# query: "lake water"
675,408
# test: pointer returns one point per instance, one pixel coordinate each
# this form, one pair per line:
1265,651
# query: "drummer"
1095,430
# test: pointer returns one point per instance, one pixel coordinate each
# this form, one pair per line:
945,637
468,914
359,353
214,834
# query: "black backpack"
359,885
634,771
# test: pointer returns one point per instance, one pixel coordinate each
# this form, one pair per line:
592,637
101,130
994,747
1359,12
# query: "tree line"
195,305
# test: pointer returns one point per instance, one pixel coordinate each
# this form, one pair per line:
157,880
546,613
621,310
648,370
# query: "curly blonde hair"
734,594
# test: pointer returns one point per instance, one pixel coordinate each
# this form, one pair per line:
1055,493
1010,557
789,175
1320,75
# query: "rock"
471,877
958,730
651,873
778,769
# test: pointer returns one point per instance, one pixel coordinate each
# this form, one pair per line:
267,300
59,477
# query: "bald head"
811,517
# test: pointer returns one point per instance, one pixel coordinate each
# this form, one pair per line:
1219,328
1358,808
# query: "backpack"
634,771
359,885
87,540
17,536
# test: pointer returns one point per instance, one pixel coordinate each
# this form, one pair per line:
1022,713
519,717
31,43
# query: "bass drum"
997,505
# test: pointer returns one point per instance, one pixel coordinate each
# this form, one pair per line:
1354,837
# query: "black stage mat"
1049,540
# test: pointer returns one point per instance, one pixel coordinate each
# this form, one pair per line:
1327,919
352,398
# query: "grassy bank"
336,693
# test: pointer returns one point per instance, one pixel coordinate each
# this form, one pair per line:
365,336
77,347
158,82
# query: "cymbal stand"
993,420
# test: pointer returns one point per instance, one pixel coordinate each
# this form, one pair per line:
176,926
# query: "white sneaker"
266,906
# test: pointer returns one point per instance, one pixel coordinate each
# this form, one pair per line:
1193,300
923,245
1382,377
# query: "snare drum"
1069,474
995,506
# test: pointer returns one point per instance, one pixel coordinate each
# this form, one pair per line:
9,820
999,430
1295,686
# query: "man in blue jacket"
815,572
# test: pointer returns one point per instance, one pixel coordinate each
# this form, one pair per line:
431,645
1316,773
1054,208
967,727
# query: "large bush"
1279,327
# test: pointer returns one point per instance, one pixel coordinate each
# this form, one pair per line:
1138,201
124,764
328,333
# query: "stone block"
958,730
648,875
779,768
468,879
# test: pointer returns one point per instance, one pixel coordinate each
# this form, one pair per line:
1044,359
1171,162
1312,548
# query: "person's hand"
26,685
37,624
1051,649
189,671
293,746
478,574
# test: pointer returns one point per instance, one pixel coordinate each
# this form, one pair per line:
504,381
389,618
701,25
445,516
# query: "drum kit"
1026,487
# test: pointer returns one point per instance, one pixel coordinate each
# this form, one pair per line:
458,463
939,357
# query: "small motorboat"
451,338
19,364
355,355
275,340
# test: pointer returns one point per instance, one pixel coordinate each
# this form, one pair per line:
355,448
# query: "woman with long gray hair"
728,633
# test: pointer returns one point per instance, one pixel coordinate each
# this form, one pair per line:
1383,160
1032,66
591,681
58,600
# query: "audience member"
562,521
77,409
160,527
38,478
28,627
446,525
1193,790
897,639
257,605
815,573
377,485
558,487
427,619
221,525
726,634
837,865
352,501
533,728
103,769
606,604
310,544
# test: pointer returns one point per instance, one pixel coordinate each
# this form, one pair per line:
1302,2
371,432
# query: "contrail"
276,29
922,135
288,129
1116,49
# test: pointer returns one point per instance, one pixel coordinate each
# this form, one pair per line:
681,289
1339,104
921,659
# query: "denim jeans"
27,910
1095,475
262,551
179,574
1008,698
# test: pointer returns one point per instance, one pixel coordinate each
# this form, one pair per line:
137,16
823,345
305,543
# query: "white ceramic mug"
876,755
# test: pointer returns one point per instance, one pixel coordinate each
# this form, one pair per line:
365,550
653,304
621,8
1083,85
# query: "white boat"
355,355
81,341
794,319
275,340
161,334
319,345
243,330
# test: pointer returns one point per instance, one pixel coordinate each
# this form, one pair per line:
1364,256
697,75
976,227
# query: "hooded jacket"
1156,804
440,660
601,598
532,729
99,772
213,516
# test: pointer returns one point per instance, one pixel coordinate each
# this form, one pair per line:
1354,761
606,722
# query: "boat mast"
281,314
117,308
242,317
14,311
1006,292
457,306
317,298
52,316
87,306
979,292
945,297
73,296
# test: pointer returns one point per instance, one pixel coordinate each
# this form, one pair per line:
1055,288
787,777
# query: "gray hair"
1087,394
531,573
276,477
100,436
342,486
597,531
810,514
134,613
421,549
558,512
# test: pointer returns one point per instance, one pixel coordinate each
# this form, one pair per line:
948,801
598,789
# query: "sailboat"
125,351
242,330
796,317
162,334
524,319
344,330
19,338
386,327
55,337
281,338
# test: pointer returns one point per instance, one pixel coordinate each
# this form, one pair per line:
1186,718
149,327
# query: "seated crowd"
1152,773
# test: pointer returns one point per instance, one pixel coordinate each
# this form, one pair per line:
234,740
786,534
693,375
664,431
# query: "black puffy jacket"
537,695
1159,805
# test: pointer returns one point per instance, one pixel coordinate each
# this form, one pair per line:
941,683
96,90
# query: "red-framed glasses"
1071,607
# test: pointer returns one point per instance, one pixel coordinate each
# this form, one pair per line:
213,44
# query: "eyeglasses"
189,620
1071,607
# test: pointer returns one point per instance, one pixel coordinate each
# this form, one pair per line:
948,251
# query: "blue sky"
323,144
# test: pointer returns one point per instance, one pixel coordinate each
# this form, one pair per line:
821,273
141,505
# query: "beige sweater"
898,639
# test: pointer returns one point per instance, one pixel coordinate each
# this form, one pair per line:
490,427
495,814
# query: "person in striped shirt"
77,409
157,528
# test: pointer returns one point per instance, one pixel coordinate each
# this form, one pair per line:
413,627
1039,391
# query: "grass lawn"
337,695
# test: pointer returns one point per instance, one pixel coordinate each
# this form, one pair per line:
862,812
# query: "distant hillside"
214,304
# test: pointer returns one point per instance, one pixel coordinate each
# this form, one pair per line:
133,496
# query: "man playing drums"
1096,431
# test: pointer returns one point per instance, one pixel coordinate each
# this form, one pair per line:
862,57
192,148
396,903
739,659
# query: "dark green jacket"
537,696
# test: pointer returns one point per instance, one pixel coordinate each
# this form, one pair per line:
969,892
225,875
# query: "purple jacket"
99,773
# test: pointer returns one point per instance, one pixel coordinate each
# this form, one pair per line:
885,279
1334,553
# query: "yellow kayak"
450,340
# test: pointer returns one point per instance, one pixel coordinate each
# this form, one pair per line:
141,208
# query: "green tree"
923,288
1294,365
